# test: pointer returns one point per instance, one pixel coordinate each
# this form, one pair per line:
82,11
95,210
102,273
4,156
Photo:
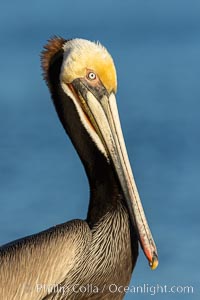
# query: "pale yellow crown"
81,55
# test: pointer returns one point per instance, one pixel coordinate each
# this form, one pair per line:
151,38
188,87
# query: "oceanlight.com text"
113,288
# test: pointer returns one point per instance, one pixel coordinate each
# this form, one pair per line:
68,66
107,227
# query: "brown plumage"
51,49
84,259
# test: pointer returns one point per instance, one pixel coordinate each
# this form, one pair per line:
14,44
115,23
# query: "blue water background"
156,48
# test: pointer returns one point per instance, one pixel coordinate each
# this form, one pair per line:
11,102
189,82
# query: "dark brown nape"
50,54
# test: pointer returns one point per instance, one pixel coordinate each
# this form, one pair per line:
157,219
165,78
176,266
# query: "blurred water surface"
156,46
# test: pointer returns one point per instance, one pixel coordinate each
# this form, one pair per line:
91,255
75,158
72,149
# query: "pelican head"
82,74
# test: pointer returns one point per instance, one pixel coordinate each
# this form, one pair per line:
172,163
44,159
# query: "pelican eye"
91,76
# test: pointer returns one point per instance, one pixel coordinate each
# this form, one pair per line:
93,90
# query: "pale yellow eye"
91,76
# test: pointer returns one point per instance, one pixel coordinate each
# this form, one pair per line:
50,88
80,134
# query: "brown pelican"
91,259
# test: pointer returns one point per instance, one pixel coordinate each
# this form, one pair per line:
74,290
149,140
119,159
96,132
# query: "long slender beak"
103,114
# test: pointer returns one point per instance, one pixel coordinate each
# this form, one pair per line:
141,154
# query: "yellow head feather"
81,55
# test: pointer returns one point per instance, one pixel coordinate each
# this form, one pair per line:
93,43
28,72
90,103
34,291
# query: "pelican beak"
101,110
